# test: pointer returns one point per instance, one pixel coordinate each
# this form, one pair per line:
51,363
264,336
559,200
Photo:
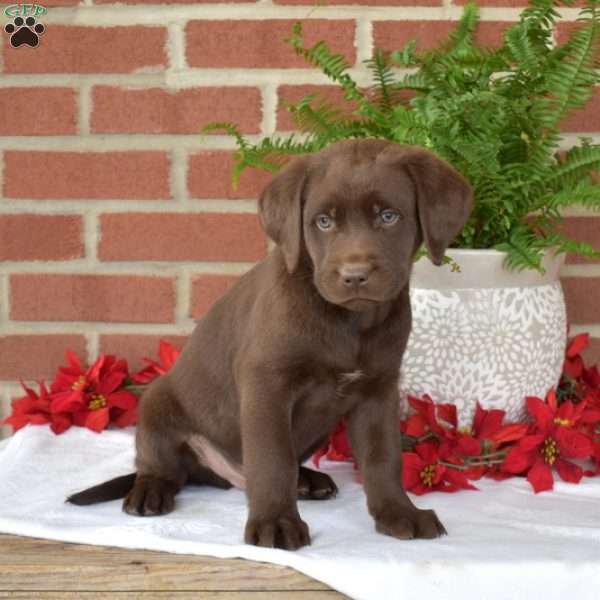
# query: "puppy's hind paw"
314,485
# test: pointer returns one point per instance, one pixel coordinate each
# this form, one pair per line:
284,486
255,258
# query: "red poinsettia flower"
93,396
552,441
337,446
573,365
427,418
35,409
423,472
167,353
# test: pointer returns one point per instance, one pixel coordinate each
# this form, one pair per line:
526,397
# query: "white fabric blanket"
504,541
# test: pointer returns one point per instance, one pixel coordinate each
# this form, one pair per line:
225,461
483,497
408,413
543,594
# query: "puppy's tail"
114,489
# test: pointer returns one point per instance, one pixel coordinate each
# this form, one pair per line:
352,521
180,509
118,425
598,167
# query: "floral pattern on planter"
492,345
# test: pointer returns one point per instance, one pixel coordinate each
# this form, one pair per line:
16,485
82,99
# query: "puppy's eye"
389,216
324,222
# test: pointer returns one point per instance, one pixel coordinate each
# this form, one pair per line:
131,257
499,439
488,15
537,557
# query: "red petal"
74,361
428,452
146,375
509,433
447,412
60,423
578,344
568,471
591,416
168,354
16,421
541,412
530,442
67,402
491,423
468,446
123,399
540,477
411,469
127,418
458,479
93,373
551,401
416,426
573,367
109,383
478,418
97,420
319,454
573,444
517,461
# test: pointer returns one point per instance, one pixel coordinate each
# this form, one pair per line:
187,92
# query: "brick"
134,347
37,356
109,298
181,237
206,290
367,2
587,119
209,176
507,3
38,111
393,35
174,1
582,297
260,43
591,355
77,49
155,110
48,3
295,93
582,229
135,175
40,237
564,31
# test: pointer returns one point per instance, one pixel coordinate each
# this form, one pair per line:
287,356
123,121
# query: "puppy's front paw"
406,524
150,496
285,532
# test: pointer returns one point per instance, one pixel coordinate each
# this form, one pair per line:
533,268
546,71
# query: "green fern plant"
493,113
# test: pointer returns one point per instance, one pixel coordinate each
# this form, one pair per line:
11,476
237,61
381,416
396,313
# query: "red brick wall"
118,225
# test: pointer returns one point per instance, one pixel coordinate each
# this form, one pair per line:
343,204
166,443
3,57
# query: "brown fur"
264,377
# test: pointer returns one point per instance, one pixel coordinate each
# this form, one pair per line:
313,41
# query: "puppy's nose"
355,275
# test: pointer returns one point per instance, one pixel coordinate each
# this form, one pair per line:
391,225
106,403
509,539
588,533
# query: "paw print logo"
24,32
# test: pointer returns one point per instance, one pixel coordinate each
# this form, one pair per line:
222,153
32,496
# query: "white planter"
484,334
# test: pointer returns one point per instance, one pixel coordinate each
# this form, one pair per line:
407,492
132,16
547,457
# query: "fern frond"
522,250
577,163
571,82
333,65
384,80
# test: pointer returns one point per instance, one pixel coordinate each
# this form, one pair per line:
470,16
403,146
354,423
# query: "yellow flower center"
466,429
564,422
80,383
427,475
97,401
550,451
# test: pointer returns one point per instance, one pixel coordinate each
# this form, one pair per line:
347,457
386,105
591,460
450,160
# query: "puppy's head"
360,209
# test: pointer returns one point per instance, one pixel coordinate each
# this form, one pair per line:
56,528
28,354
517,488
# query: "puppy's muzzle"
355,275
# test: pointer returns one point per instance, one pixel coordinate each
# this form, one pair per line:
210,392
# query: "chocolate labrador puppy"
313,333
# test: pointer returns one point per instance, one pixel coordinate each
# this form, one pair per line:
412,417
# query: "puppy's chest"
345,380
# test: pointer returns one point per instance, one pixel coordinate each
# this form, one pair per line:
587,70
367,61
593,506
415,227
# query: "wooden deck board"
33,568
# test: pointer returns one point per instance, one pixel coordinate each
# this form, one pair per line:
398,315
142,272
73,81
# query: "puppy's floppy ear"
444,198
280,209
